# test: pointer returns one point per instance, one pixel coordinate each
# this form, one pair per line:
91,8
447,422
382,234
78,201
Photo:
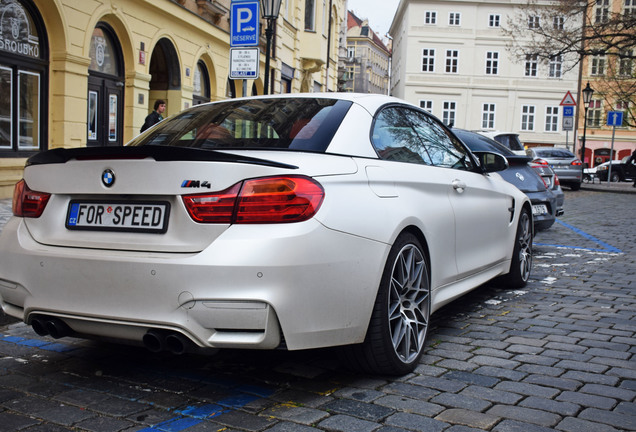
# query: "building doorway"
105,89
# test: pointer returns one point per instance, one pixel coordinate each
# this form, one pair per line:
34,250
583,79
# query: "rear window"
476,142
289,124
554,153
511,141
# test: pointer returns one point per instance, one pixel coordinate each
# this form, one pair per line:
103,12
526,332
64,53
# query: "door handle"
458,185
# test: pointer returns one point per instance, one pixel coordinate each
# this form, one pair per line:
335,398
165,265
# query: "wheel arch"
417,232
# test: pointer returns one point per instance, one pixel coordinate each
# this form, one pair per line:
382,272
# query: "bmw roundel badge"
108,178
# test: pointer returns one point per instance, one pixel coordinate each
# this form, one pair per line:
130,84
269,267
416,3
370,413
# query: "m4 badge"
195,184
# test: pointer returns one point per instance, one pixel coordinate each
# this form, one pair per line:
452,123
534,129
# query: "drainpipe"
328,47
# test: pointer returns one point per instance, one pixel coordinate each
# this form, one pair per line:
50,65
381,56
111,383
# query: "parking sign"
244,22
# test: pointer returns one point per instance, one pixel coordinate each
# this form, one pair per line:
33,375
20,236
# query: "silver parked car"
563,162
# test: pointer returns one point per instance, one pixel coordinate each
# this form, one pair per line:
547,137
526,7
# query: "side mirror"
492,162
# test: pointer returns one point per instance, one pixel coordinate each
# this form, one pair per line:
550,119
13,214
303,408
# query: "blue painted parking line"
37,343
184,418
605,247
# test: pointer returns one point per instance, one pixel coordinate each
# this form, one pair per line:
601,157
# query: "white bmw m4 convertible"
289,221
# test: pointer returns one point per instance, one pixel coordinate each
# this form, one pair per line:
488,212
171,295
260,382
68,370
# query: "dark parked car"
621,171
522,175
567,166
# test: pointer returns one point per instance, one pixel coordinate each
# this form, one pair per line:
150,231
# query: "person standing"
156,116
632,161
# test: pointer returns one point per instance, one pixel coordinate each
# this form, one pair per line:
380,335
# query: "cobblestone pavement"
558,355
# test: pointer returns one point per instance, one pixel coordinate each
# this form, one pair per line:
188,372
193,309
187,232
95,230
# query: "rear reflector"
28,203
280,199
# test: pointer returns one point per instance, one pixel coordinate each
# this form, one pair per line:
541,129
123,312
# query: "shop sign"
15,31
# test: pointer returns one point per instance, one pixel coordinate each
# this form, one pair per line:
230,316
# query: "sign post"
244,33
568,103
614,118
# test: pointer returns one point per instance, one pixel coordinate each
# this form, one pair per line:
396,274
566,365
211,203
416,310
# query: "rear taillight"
540,161
28,203
556,181
281,199
576,162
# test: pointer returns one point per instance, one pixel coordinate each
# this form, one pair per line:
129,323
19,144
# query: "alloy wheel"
409,303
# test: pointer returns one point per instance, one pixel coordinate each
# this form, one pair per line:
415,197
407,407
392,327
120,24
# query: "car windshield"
554,153
266,123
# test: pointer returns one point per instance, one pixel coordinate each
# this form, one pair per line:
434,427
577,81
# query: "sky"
380,13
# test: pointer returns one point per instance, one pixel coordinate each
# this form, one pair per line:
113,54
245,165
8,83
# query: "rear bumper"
314,286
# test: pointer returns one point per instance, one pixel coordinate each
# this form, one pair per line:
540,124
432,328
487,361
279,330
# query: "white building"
450,57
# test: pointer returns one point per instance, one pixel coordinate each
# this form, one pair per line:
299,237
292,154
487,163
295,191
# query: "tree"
601,33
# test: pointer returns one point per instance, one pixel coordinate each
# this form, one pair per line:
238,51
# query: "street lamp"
587,98
269,11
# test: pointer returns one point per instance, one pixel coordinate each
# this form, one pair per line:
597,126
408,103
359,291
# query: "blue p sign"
244,21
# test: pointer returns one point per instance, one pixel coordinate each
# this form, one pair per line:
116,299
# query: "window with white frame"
598,65
488,116
601,11
534,22
452,59
622,106
310,15
430,17
427,105
555,66
558,22
454,18
552,119
494,20
449,112
527,117
626,63
532,63
428,60
594,113
351,52
492,63
630,9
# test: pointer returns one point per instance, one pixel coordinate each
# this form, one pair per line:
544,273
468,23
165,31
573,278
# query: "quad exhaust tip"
158,340
50,326
154,340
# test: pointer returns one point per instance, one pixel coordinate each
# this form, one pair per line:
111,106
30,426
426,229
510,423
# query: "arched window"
201,83
23,79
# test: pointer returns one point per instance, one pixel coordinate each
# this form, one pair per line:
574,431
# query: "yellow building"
77,73
613,79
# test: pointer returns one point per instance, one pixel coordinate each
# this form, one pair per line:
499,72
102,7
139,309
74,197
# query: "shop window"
23,80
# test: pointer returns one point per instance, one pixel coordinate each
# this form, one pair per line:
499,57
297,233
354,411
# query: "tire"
397,331
616,177
521,262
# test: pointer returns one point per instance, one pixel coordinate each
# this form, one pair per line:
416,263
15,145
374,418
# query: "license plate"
539,209
149,217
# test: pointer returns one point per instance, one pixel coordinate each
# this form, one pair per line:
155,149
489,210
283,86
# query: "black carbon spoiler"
158,153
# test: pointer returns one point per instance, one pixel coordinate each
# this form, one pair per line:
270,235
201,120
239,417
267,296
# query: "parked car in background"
288,221
566,166
621,171
509,140
552,182
520,174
